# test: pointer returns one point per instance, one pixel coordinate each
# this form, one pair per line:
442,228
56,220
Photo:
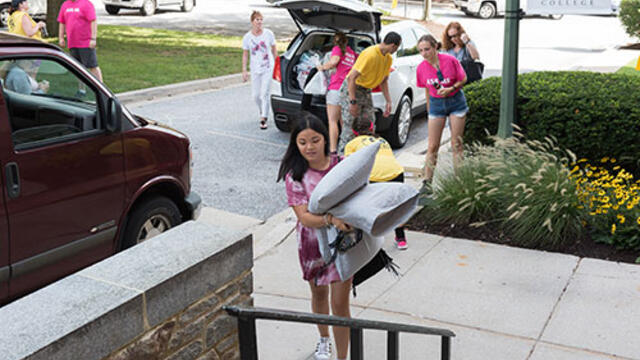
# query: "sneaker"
323,349
401,244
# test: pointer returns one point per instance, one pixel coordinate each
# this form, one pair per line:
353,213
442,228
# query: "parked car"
84,178
37,10
318,20
487,9
146,7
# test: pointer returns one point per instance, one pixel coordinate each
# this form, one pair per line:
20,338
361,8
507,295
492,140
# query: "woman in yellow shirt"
21,23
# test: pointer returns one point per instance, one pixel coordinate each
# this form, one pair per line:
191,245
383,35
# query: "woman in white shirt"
260,43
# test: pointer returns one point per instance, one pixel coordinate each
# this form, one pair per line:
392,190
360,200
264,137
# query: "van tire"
112,10
187,5
487,10
398,133
148,7
4,14
158,213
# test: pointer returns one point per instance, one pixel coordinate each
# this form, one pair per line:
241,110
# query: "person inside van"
342,59
21,23
21,78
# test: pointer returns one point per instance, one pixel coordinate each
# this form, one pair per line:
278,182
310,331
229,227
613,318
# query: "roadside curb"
170,90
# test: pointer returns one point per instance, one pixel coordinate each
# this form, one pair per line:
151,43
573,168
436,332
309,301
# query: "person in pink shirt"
442,76
342,59
77,20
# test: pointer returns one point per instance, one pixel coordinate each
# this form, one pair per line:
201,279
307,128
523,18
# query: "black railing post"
247,337
446,348
392,345
357,347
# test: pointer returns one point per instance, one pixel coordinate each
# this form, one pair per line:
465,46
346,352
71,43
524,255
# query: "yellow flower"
613,160
604,159
621,218
613,229
638,220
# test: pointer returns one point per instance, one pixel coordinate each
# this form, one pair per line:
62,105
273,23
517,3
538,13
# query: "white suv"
146,7
318,20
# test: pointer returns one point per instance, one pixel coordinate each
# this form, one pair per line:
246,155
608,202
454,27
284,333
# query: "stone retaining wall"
159,300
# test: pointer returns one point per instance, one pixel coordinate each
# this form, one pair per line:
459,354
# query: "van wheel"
148,7
112,10
150,218
4,14
187,5
487,10
399,131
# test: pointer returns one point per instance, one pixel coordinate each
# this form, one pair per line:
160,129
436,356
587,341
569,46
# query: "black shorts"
86,56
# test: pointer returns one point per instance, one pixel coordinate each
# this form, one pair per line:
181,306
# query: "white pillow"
343,180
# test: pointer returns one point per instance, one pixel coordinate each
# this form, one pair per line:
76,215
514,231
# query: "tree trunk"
426,14
370,2
53,8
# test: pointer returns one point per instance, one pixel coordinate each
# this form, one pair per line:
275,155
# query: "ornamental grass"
523,186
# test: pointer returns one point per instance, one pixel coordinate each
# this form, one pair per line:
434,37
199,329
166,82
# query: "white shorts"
333,97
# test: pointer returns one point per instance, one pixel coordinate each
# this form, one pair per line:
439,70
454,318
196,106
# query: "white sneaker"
323,349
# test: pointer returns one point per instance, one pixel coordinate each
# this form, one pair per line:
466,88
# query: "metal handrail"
247,330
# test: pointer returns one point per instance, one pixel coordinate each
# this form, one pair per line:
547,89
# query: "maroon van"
83,178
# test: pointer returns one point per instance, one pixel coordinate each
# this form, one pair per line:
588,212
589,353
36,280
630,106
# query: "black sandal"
263,124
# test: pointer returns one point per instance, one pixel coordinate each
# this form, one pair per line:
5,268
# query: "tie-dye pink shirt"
298,193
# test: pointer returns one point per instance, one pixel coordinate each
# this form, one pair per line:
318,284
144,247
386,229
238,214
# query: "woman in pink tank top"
342,59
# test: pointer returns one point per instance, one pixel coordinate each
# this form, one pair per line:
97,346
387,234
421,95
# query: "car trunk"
339,15
316,46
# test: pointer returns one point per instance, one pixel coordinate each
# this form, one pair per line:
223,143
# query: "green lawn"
629,69
134,58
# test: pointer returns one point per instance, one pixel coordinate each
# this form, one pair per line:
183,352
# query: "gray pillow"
343,180
376,209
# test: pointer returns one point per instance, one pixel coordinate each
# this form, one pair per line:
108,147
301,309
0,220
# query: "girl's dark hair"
14,9
293,162
431,40
341,41
362,125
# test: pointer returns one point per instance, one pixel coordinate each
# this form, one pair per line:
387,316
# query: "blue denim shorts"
443,107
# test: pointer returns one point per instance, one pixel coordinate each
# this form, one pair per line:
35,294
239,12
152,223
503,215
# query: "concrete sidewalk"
502,302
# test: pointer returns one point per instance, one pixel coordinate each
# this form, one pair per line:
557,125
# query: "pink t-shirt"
77,17
344,66
452,72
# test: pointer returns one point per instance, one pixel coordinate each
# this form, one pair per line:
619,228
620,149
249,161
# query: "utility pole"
509,89
426,10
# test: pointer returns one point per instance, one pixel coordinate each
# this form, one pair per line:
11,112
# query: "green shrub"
521,186
630,16
593,114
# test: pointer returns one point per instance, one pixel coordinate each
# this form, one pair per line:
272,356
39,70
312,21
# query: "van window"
46,101
409,44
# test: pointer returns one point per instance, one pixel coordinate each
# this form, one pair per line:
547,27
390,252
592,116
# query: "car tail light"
190,164
277,76
378,89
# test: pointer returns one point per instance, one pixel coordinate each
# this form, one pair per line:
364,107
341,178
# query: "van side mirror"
114,115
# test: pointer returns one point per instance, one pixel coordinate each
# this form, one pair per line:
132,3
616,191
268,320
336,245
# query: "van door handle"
13,180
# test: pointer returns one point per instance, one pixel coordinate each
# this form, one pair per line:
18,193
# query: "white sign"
576,7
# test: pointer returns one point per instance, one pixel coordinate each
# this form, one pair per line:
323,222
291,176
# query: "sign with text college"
567,7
